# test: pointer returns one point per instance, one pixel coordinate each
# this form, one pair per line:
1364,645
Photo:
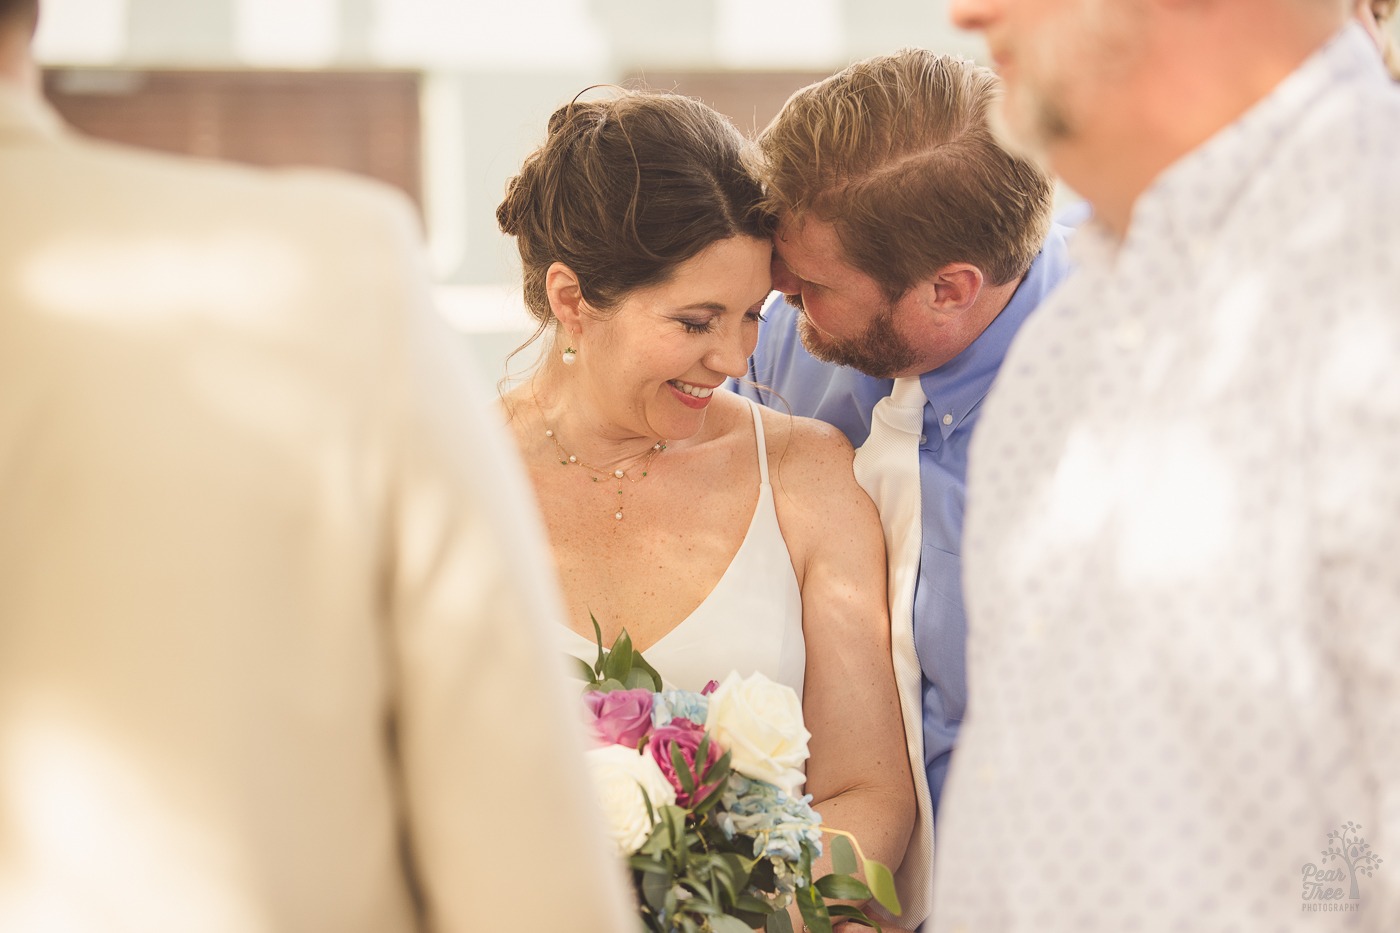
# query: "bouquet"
699,792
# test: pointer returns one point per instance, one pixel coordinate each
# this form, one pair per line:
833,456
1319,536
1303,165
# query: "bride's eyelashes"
698,327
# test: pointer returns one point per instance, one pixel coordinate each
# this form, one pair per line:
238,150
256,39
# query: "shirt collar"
956,388
1185,208
24,116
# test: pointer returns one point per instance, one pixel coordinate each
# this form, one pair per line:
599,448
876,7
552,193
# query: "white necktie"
887,466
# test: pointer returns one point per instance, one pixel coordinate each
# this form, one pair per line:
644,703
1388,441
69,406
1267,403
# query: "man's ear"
565,296
952,289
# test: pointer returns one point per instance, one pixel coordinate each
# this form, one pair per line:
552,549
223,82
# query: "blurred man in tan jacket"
271,593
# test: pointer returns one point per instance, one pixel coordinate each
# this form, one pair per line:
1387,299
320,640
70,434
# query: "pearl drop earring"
568,356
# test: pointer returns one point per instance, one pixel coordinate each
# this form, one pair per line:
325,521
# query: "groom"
909,244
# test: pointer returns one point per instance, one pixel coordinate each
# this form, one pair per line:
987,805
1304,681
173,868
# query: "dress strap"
758,436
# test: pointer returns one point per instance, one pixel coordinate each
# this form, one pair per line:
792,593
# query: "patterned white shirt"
1182,551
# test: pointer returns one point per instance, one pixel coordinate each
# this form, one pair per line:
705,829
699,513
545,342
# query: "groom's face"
847,318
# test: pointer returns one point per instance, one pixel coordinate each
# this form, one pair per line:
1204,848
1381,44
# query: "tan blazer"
272,601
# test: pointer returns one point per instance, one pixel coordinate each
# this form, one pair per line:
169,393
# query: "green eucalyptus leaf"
853,914
733,875
843,888
700,903
813,910
674,816
727,924
718,770
582,670
638,679
609,684
843,856
751,920
598,640
702,751
619,662
647,864
662,840
778,922
651,677
654,890
709,801
657,845
702,754
683,771
881,884
675,820
748,903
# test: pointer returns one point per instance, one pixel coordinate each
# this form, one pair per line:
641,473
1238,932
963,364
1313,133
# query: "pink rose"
622,717
684,735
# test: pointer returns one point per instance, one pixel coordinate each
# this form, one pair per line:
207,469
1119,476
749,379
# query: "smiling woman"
724,537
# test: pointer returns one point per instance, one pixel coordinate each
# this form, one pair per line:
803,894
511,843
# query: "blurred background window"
440,98
359,121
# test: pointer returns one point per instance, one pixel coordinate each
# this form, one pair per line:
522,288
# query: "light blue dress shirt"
782,375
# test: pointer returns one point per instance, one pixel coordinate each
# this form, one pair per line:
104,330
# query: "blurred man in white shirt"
1183,502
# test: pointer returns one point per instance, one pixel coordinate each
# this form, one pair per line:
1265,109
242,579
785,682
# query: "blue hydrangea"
779,824
679,704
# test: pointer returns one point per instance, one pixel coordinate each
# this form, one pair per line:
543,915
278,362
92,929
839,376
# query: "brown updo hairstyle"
623,191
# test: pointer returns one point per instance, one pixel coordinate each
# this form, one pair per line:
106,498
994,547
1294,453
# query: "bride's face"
651,366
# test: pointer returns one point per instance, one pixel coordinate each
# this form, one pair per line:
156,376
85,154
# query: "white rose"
760,724
620,775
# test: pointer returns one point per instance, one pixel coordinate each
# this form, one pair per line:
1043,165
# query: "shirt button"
923,439
947,419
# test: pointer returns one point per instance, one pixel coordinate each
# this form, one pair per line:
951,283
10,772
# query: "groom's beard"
878,352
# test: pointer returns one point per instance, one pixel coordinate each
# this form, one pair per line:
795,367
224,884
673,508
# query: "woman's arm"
858,774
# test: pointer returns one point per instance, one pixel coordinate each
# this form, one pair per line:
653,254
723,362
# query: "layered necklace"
632,472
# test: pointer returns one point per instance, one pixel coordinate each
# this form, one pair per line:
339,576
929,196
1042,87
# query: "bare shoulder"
826,517
807,435
804,451
814,484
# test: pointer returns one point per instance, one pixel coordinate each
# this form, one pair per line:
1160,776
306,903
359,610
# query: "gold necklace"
634,472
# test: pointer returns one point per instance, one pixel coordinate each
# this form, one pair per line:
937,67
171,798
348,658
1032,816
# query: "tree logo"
1350,856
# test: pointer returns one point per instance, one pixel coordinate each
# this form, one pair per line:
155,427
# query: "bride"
723,536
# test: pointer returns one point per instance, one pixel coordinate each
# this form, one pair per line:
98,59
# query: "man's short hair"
897,153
